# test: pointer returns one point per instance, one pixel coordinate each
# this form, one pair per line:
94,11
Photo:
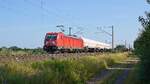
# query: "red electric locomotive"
59,42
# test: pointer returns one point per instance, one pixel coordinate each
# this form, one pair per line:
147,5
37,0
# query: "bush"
14,48
121,48
142,50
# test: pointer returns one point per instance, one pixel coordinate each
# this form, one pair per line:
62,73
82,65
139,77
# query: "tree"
121,48
15,48
148,1
142,49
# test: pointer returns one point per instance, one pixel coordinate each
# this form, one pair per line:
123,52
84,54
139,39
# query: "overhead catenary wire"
12,9
15,10
42,3
46,12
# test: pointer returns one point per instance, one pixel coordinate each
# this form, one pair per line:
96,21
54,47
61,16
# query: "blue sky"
23,23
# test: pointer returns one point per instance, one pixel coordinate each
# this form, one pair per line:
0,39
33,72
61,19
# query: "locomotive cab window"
51,37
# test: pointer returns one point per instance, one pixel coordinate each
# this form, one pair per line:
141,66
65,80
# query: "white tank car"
95,44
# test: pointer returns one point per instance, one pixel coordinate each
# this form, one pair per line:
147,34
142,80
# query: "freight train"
59,42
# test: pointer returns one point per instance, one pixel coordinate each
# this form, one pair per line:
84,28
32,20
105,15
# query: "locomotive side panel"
69,42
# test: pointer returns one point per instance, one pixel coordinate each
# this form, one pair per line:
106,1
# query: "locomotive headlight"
47,43
53,42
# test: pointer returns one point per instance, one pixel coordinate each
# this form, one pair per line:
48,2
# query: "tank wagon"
59,42
94,46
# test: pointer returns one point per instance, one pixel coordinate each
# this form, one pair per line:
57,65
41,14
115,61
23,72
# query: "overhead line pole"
110,34
70,31
113,38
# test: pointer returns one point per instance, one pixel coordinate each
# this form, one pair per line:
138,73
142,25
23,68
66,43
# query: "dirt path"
120,79
102,75
115,74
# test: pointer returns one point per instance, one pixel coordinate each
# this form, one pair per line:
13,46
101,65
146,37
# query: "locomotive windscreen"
51,37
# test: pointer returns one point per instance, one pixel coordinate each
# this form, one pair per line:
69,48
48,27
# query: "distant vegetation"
122,48
14,50
142,49
73,70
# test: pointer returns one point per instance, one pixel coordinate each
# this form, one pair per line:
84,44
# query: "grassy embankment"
73,70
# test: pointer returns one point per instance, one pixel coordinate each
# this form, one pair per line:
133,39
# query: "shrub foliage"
142,49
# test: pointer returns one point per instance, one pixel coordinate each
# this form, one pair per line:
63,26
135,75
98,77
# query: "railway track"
24,58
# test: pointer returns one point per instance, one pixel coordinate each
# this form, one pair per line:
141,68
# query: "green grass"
73,70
